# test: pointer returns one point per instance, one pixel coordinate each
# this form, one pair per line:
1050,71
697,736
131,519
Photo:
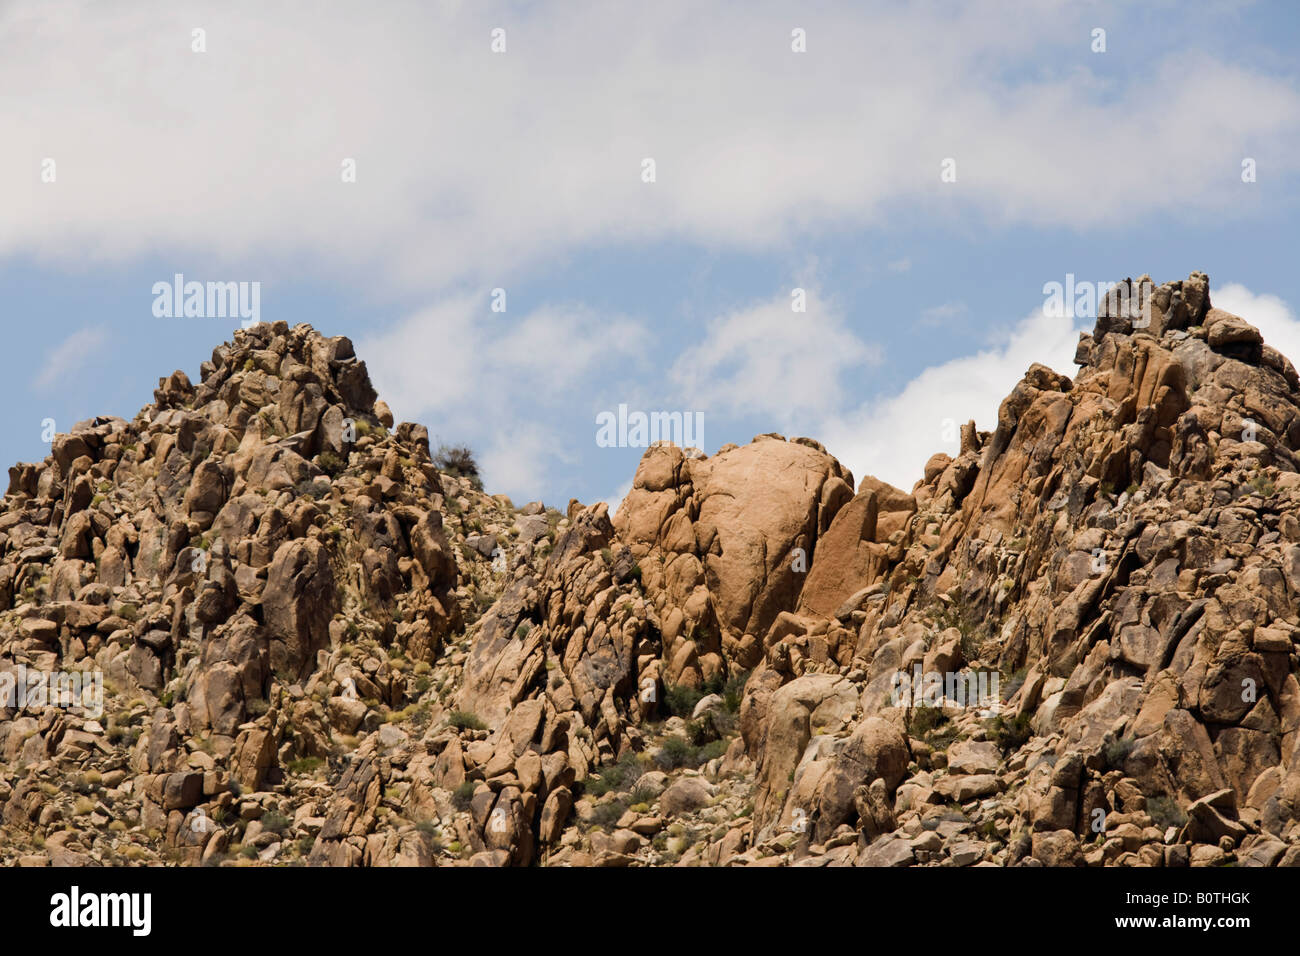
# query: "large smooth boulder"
724,543
813,702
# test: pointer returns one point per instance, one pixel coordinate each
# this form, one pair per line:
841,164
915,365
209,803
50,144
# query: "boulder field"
318,643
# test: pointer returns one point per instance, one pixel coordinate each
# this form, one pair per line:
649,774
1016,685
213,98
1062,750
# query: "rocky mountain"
321,642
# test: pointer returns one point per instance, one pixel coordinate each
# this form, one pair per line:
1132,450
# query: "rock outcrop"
724,544
1075,643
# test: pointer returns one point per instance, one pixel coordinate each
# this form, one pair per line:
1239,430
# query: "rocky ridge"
318,648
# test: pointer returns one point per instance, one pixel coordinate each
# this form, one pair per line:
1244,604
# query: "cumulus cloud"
471,165
70,356
500,380
520,457
771,361
1268,313
894,436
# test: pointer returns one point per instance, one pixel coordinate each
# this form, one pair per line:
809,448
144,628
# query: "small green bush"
463,794
680,700
330,463
464,720
1263,485
1011,734
606,815
733,691
314,489
1116,752
675,753
275,821
458,461
1165,812
925,720
619,776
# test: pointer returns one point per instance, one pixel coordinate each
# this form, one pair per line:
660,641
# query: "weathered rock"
687,794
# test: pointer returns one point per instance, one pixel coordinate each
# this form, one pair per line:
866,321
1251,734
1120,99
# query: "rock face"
1074,644
1117,553
724,544
856,548
210,559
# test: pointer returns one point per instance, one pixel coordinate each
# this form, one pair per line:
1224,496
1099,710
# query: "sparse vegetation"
276,822
464,720
458,461
931,725
463,794
1116,751
1263,484
315,489
304,765
1010,734
330,463
615,777
1165,812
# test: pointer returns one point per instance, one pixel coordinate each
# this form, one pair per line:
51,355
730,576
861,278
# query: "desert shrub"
1011,734
463,794
643,794
680,700
1263,485
1165,812
315,489
713,750
606,815
619,776
330,463
275,821
464,720
925,720
675,753
733,691
458,461
1116,752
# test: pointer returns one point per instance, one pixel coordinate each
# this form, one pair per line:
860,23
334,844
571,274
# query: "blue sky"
522,170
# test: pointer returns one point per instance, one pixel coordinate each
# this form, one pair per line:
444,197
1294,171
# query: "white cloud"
770,361
519,459
892,438
70,356
473,165
613,501
1272,316
478,376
